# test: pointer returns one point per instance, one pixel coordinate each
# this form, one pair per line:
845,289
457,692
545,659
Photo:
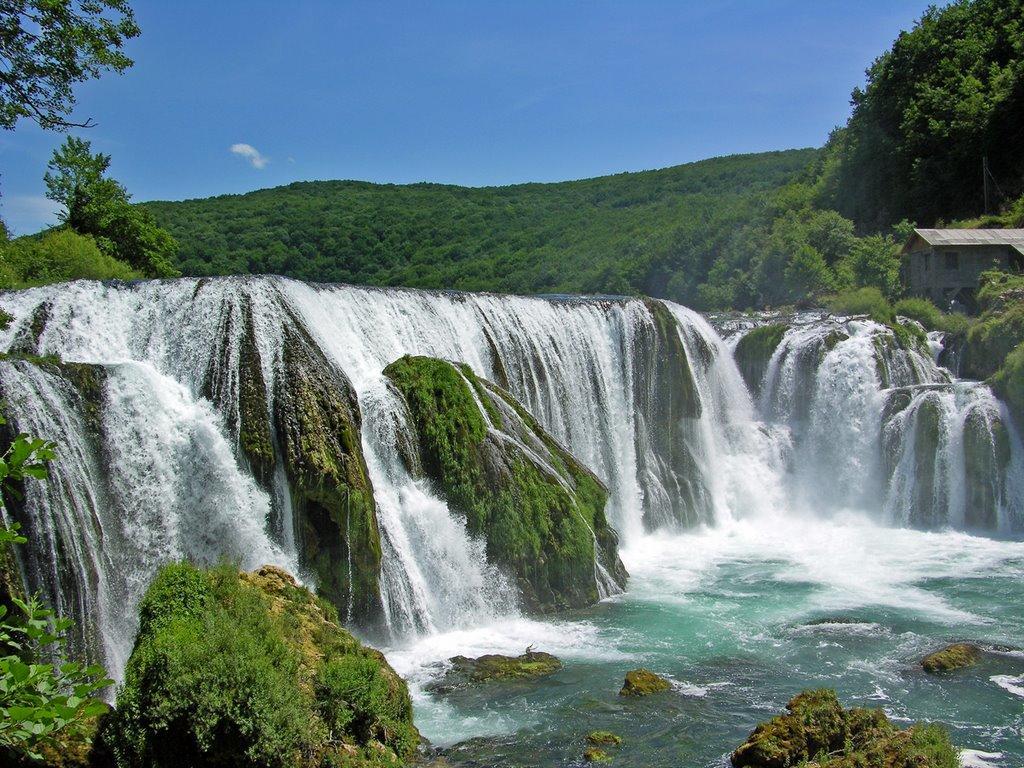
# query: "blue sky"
474,93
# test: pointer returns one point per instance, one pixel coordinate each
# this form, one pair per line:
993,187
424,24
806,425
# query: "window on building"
952,260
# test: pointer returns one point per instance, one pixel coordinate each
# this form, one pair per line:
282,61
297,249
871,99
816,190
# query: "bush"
246,670
58,256
930,316
861,301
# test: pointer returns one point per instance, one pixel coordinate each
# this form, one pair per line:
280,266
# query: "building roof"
967,237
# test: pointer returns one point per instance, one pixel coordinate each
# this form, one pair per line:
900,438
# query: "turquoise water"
740,618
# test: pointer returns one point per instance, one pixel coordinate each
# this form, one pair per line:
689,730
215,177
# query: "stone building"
944,264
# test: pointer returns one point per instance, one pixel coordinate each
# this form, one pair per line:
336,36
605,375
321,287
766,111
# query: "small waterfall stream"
150,468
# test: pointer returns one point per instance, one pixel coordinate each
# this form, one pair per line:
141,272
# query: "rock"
816,724
952,657
643,682
671,405
539,510
595,755
495,667
252,669
603,739
754,351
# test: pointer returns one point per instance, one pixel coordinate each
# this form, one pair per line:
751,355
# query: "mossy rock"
317,426
754,352
643,682
596,755
668,406
496,668
986,445
603,739
951,658
817,731
252,670
540,512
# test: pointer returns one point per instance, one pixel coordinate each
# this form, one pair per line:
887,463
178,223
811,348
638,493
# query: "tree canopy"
48,46
948,94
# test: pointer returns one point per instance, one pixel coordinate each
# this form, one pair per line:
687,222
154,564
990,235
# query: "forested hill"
614,234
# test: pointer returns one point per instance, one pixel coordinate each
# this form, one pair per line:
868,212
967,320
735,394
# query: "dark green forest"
615,234
740,231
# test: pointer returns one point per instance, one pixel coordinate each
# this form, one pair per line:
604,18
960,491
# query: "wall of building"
939,273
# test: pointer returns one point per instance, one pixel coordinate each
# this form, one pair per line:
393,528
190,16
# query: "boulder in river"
816,731
952,657
496,667
642,682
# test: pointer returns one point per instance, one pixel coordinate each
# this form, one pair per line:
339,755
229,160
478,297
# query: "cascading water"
151,468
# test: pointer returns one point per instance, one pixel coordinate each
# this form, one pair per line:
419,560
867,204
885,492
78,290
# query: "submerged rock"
643,682
817,731
495,667
248,670
952,657
596,755
603,739
539,510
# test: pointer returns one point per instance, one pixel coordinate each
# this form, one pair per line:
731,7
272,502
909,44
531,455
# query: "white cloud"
28,213
250,153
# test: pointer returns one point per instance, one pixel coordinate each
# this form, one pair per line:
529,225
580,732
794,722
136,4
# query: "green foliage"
862,301
99,206
50,46
248,670
948,93
58,256
628,233
42,704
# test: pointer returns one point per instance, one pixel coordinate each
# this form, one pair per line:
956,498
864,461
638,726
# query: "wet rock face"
317,426
465,671
754,351
950,658
668,404
308,423
539,510
816,727
643,682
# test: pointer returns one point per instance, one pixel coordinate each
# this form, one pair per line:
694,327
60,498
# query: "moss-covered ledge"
252,670
538,509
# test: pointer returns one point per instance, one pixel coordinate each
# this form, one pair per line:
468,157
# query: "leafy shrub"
247,670
861,301
43,706
58,256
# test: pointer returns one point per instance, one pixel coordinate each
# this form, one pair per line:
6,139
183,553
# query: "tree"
97,205
41,704
48,46
73,179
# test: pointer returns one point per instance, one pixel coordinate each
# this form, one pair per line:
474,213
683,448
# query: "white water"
170,483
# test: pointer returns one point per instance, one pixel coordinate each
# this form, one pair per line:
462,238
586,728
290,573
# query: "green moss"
603,739
754,351
643,682
986,445
6,318
952,657
539,527
465,671
817,732
596,755
246,670
316,419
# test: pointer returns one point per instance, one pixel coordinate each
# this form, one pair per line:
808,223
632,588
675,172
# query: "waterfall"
168,398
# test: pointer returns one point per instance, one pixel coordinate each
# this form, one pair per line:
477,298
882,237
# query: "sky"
228,96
